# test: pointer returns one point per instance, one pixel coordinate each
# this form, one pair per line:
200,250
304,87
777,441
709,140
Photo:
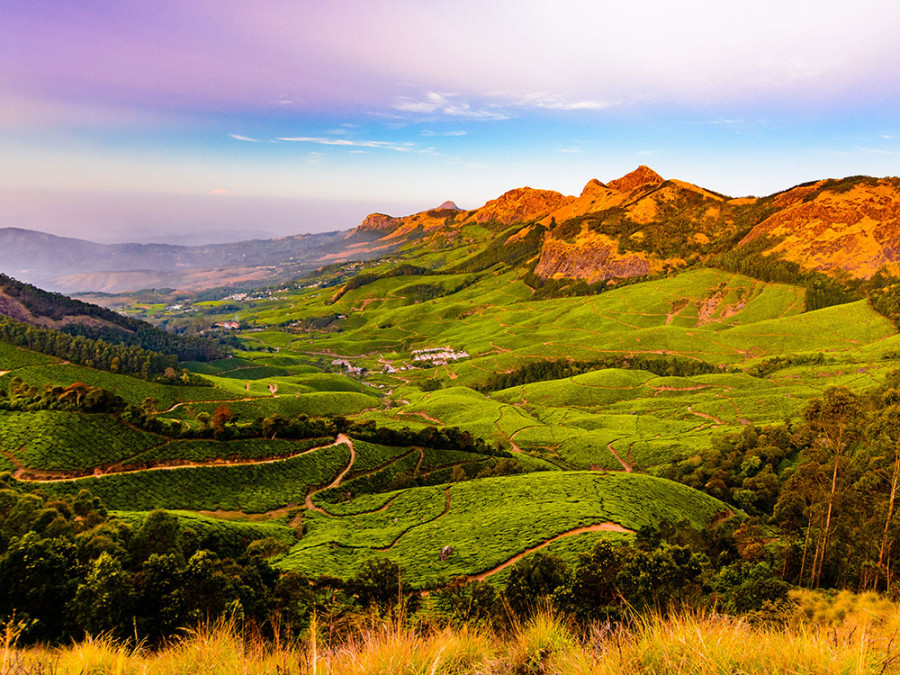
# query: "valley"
451,396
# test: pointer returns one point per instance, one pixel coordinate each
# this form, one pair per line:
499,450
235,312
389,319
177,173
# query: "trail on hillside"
424,522
705,416
341,438
220,400
426,416
602,527
29,475
625,465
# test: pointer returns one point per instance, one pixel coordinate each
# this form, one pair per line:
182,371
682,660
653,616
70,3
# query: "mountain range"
632,226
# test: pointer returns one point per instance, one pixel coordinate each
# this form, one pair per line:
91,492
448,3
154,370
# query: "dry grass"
863,640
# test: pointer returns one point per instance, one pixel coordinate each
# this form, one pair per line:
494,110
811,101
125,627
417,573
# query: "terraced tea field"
488,521
576,454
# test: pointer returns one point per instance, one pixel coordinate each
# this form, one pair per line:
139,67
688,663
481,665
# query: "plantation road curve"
341,438
602,527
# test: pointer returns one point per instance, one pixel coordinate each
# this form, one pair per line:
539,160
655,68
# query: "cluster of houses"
349,367
439,356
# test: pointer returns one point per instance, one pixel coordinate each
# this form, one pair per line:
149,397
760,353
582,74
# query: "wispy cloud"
879,151
346,142
497,106
431,132
890,137
723,122
451,105
246,139
548,101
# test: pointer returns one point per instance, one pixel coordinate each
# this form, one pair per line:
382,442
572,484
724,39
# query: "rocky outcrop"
379,222
592,257
851,225
641,177
521,205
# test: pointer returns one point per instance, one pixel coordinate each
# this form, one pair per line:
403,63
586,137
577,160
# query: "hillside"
632,226
547,383
30,305
851,225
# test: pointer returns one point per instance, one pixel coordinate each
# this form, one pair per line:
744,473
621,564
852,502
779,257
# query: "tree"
836,416
534,579
378,583
105,601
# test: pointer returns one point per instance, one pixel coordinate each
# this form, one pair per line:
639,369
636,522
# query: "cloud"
219,191
435,103
431,132
554,102
345,142
719,122
247,139
497,106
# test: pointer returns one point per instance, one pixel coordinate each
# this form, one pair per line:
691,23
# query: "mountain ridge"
630,226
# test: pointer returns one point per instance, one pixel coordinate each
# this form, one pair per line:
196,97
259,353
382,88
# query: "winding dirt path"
30,475
705,416
341,438
423,415
417,525
225,400
625,465
602,527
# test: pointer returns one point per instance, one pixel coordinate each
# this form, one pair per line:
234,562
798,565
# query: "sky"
196,121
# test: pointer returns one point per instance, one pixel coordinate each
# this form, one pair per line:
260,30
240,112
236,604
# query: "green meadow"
567,453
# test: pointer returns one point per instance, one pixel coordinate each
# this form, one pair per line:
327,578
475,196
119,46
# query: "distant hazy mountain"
69,265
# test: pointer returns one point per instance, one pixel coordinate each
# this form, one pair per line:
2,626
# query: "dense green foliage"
556,369
501,250
826,487
364,279
750,259
116,358
104,324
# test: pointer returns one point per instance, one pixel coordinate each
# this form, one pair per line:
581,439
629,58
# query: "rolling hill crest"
643,224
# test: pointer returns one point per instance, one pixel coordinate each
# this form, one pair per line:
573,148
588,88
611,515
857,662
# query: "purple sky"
217,119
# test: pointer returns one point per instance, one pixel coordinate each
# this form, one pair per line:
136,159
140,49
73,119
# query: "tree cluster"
821,494
556,369
109,326
821,290
115,358
67,567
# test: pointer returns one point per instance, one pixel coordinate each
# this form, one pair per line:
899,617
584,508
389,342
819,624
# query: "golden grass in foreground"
690,643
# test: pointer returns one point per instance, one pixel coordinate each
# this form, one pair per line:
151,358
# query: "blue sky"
210,120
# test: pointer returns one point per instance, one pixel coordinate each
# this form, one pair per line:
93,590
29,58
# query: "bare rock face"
378,222
521,205
641,177
839,225
592,257
594,197
448,206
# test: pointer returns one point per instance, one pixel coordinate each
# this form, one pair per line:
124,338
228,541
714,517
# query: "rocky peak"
521,204
640,177
448,206
378,222
593,186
